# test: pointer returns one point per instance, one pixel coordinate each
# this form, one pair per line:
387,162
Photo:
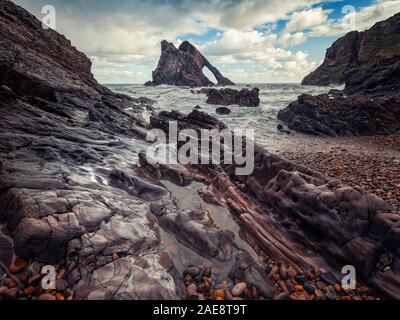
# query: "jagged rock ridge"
363,60
368,63
183,67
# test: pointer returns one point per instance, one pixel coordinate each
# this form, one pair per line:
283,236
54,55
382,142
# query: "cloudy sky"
250,41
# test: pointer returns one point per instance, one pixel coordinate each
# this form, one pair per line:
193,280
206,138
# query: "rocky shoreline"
78,193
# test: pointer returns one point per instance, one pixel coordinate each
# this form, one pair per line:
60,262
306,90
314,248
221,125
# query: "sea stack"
184,67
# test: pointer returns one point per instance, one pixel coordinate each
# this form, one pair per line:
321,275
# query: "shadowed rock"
368,63
228,97
183,67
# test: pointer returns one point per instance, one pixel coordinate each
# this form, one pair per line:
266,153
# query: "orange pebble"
347,298
338,288
29,290
219,294
298,287
18,265
59,297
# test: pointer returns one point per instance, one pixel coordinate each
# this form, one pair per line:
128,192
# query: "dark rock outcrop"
228,97
366,60
368,63
338,113
183,67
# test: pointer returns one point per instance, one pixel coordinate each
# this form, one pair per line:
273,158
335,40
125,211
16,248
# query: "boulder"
227,97
223,110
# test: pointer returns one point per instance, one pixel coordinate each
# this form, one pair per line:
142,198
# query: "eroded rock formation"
183,67
283,201
228,97
368,63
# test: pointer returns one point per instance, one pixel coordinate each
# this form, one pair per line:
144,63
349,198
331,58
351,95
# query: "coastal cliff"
368,64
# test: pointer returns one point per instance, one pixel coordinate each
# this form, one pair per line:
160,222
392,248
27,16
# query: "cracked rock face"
183,67
368,63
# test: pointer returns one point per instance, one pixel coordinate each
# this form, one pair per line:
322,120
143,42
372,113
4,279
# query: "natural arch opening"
209,75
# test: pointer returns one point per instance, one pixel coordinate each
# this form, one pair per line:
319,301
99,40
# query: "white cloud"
364,19
306,19
124,38
292,39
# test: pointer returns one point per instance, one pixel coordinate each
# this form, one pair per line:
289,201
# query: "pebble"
283,286
69,293
239,288
34,268
10,283
291,272
193,271
61,273
191,290
254,293
206,272
330,293
18,265
274,270
10,294
282,296
300,279
298,287
321,285
29,290
319,294
59,297
47,297
309,288
219,294
338,287
283,271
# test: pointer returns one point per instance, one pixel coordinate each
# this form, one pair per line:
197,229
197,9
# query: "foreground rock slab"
283,202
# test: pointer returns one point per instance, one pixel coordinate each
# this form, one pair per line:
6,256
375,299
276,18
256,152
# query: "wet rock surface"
72,195
183,67
340,222
228,97
368,63
68,194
